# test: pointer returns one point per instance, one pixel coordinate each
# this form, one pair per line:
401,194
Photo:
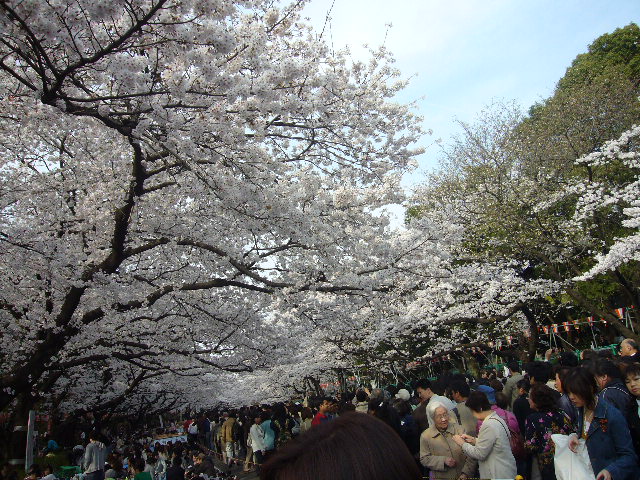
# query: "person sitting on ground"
115,467
48,474
351,447
439,453
34,472
202,466
7,472
52,445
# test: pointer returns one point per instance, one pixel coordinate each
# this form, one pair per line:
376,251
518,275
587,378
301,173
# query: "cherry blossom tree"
607,197
171,170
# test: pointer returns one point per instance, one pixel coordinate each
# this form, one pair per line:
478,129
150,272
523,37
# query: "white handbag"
569,465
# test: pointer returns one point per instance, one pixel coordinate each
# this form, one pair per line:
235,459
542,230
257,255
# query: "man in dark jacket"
629,350
175,471
613,389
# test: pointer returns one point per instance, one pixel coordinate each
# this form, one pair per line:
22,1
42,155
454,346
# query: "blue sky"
465,54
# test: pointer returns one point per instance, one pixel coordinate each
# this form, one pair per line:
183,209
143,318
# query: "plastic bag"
569,465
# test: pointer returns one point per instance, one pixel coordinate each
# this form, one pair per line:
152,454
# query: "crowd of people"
496,425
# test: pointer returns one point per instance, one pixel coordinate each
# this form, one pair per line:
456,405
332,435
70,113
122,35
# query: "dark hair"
478,402
351,447
401,406
502,400
561,371
524,384
630,369
543,397
35,469
384,412
361,395
439,386
581,383
423,384
514,366
321,400
177,460
606,353
306,413
138,464
538,371
279,411
607,367
461,387
346,407
496,385
568,359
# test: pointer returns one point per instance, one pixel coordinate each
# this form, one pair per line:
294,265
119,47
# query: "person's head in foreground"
351,447
581,387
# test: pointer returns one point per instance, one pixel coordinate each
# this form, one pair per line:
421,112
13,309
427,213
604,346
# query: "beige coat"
226,432
510,389
436,446
468,422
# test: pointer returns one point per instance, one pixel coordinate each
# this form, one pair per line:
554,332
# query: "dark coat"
568,407
175,472
538,430
609,442
616,394
633,419
521,410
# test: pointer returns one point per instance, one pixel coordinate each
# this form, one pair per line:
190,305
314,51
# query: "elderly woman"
492,448
439,452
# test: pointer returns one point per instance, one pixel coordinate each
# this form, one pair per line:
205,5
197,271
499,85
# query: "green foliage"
500,172
610,54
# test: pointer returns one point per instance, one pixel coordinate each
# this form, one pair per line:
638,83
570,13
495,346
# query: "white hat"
404,394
